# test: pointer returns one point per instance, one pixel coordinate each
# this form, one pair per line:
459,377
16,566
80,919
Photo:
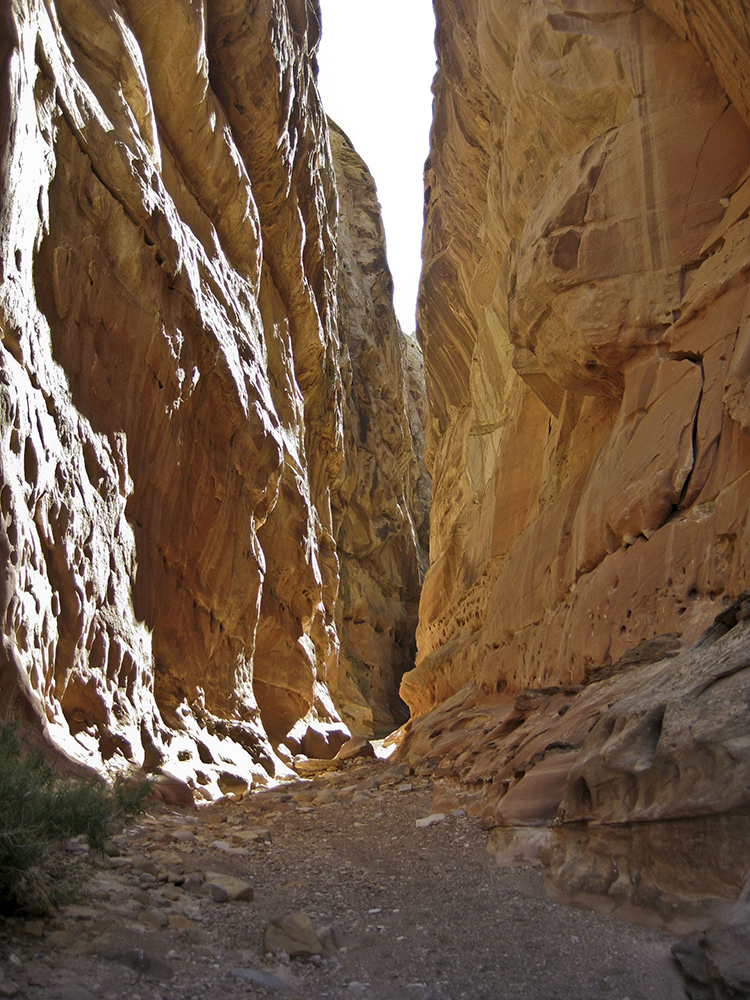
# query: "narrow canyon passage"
244,516
396,911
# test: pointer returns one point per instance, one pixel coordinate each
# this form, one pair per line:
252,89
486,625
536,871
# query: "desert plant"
39,808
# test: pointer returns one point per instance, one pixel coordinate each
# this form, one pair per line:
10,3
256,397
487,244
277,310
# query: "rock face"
632,789
382,493
175,428
584,318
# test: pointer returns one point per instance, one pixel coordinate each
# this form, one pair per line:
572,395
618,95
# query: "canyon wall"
384,492
583,663
178,439
584,318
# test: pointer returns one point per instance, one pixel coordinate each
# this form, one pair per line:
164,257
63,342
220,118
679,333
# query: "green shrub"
38,809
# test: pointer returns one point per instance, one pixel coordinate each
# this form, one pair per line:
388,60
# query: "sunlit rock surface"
585,319
172,407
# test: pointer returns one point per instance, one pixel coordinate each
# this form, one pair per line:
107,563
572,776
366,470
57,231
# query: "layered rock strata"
173,411
585,319
633,789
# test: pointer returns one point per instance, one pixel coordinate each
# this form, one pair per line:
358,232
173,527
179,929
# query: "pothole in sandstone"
404,903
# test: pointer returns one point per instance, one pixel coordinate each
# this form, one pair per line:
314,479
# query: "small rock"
179,922
142,897
8,988
35,928
184,836
293,933
144,865
216,892
430,820
236,889
154,918
171,894
405,786
357,746
15,961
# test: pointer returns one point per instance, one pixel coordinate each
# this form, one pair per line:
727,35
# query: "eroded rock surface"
383,492
632,789
174,420
584,318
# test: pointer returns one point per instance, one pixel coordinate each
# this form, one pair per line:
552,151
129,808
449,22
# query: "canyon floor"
403,911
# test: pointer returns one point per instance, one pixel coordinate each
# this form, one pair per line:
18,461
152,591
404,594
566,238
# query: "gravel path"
415,912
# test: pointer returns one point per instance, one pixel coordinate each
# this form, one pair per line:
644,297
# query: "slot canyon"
489,584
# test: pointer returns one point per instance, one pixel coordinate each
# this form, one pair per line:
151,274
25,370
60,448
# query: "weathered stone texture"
173,428
383,494
586,206
632,788
585,319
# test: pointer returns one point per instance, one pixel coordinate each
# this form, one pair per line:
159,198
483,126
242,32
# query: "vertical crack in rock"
694,436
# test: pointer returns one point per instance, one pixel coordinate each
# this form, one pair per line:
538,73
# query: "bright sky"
377,61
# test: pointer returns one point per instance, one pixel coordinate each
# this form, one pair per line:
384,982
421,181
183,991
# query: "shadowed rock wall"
384,494
171,398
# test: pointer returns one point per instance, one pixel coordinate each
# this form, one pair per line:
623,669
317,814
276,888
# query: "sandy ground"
415,912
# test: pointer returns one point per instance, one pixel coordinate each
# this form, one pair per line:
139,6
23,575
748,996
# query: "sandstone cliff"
584,316
383,493
585,319
175,427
